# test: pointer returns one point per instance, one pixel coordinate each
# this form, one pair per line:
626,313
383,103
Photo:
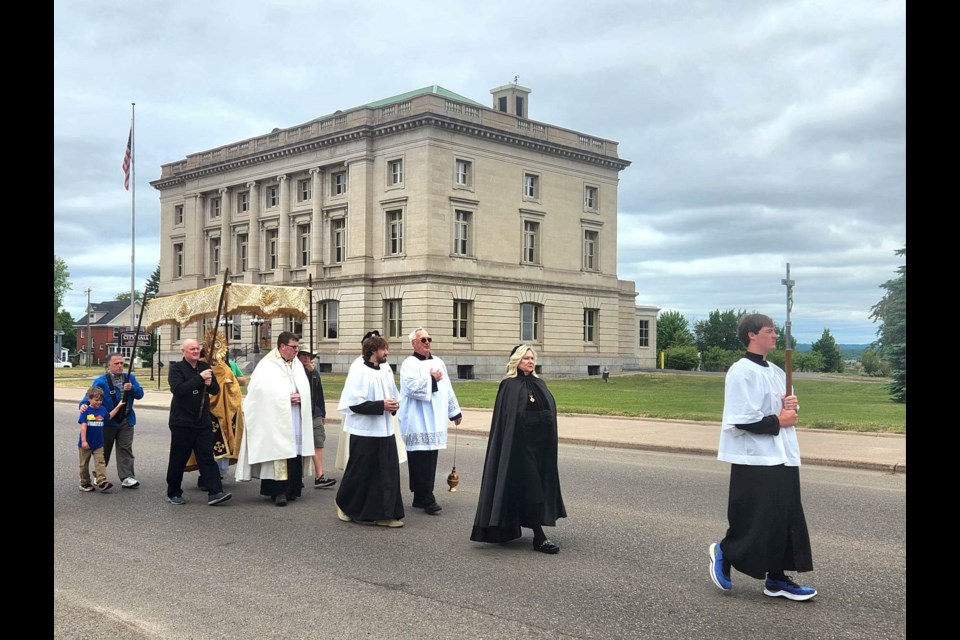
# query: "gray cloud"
760,133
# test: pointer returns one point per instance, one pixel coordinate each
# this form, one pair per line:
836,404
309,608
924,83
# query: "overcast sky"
760,132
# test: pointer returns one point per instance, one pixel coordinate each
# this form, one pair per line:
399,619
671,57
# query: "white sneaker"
129,483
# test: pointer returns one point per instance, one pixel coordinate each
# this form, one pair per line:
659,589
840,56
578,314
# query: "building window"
305,189
531,319
243,202
461,318
178,260
393,318
214,256
502,104
273,196
214,207
178,214
590,198
519,103
242,240
461,232
644,333
395,172
463,173
590,318
591,241
329,312
338,236
233,326
531,186
338,183
294,325
272,249
395,232
116,332
303,244
531,242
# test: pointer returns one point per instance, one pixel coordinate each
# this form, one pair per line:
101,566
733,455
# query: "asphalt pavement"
880,451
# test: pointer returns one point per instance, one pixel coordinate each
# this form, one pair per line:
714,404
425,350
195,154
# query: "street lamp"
256,322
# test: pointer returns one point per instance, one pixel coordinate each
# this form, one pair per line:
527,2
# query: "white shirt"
752,391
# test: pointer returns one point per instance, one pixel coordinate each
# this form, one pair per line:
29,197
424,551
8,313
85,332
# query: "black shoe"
281,500
433,509
217,498
546,547
177,500
323,482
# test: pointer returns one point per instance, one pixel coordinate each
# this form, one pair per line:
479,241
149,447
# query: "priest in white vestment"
277,446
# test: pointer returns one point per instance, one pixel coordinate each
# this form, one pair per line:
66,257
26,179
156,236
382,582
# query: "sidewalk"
880,451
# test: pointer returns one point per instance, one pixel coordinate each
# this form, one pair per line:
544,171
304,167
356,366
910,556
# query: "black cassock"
520,485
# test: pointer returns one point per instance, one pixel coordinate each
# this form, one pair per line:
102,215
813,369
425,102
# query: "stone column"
195,267
283,227
254,260
226,238
316,218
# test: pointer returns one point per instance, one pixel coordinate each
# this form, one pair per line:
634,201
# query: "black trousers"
183,441
291,487
422,466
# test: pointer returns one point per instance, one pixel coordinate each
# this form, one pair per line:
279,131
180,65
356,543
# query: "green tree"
682,358
61,283
807,361
124,296
828,350
153,283
717,359
782,338
64,322
870,362
673,330
891,312
719,331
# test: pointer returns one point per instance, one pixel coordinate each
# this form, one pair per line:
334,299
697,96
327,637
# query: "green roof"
435,89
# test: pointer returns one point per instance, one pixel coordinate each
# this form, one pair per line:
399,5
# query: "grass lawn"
848,404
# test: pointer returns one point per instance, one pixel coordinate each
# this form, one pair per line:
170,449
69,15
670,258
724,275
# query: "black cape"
511,457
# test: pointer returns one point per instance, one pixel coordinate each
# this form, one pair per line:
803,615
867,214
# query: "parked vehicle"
62,364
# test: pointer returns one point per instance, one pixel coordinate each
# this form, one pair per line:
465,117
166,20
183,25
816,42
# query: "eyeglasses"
295,347
426,340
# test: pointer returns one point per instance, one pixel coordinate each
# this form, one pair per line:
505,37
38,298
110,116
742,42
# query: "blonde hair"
516,357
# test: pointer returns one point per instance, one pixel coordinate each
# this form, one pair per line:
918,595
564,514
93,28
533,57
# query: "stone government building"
424,209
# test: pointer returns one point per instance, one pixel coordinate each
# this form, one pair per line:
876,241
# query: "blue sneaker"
719,578
787,589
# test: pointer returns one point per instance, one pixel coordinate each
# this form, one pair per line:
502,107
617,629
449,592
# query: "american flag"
126,162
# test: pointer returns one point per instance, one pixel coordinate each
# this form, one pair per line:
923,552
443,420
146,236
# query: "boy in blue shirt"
90,444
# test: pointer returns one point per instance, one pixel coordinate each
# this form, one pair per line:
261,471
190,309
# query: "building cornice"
538,141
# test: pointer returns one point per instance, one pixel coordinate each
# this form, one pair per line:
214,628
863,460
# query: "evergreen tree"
153,282
891,311
828,350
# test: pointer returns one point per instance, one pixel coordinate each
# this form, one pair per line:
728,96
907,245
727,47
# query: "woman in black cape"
521,485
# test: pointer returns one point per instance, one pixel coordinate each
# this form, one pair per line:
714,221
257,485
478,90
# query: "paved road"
632,565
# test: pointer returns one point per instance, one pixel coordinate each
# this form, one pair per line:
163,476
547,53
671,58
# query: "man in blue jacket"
118,430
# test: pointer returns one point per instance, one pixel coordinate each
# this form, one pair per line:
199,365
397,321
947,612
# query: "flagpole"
133,220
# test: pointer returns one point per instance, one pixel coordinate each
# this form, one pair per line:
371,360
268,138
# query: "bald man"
191,430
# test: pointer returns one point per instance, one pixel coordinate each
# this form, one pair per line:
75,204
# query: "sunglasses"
426,340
